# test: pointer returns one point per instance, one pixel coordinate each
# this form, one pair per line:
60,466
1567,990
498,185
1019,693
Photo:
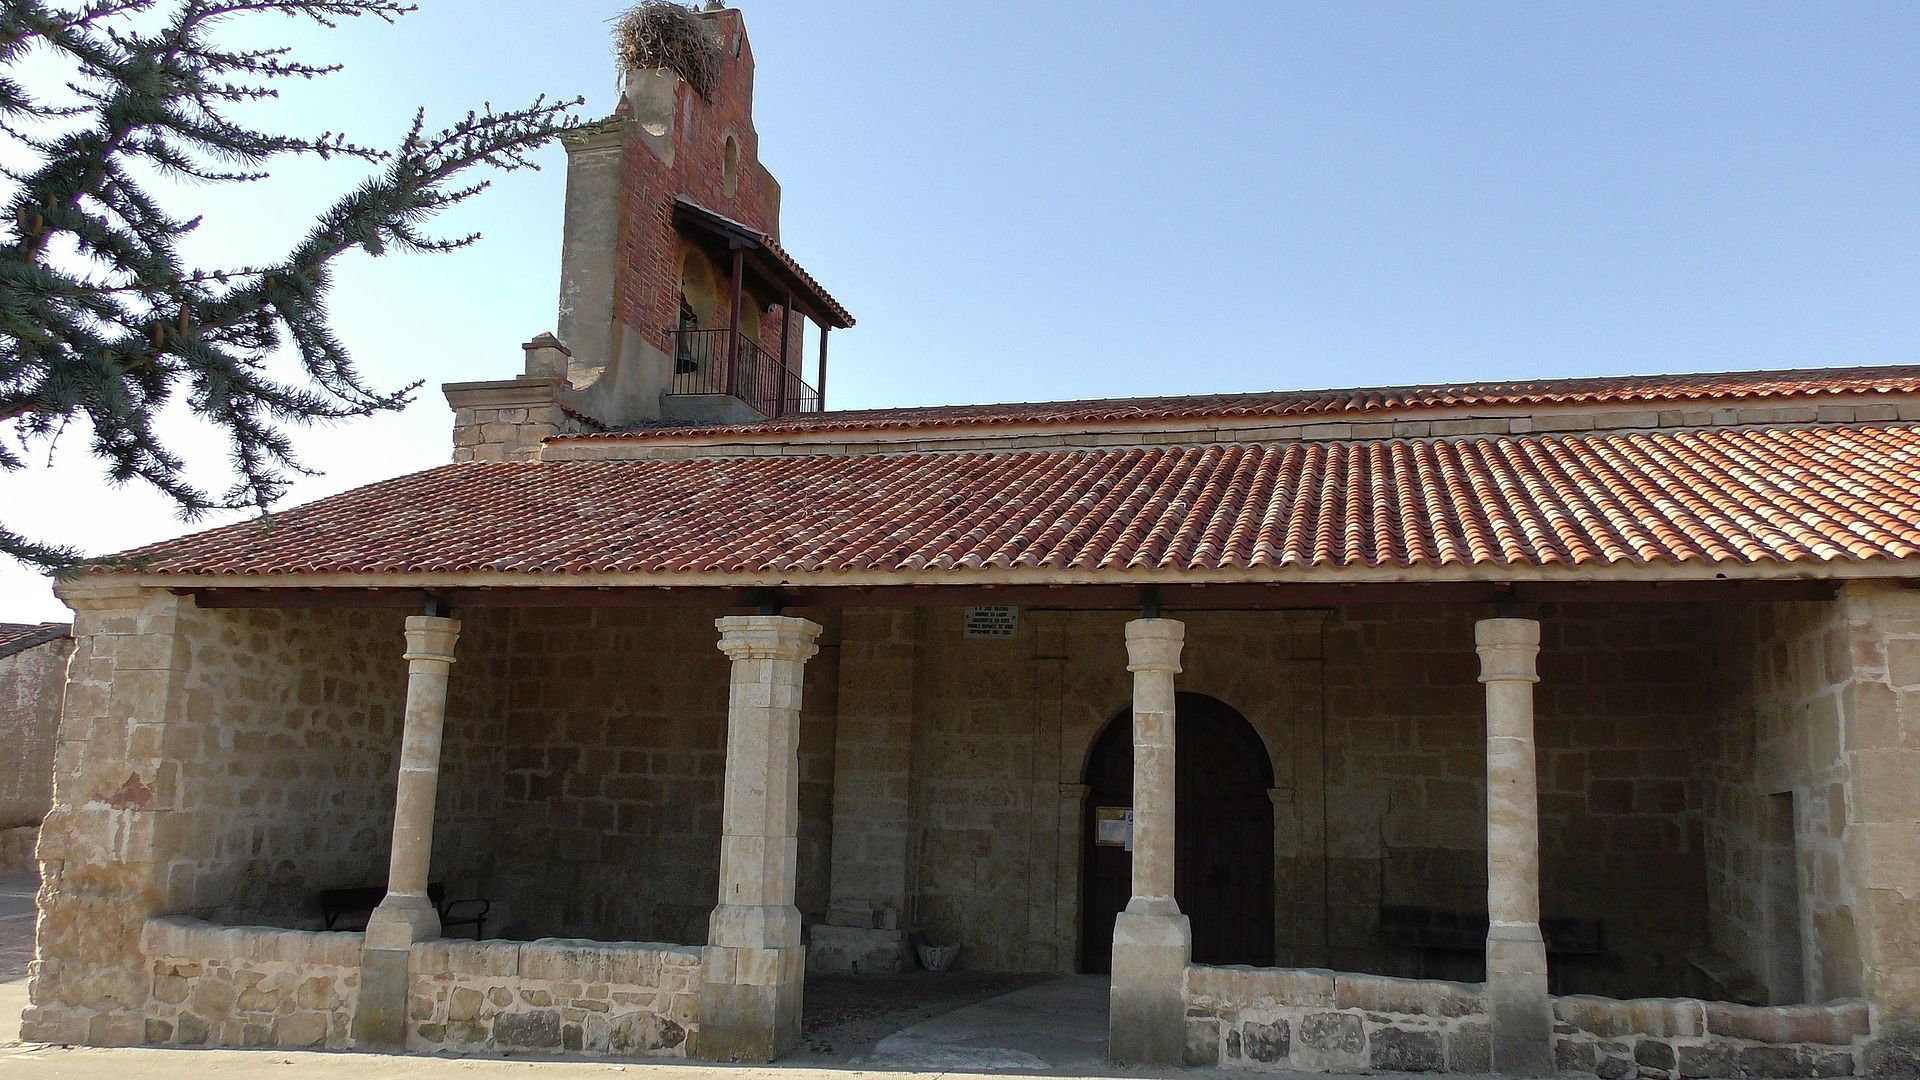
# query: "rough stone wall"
613,769
1783,670
622,999
32,684
1880,713
249,985
295,719
1303,1020
1675,1038
224,764
1377,801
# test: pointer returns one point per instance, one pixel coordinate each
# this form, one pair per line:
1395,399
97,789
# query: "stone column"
754,961
1151,938
1516,953
406,916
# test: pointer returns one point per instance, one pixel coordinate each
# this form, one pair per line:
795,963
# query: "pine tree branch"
102,320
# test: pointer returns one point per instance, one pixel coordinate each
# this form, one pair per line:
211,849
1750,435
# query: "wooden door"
1223,843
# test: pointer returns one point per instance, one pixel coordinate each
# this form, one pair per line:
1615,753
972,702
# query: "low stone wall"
249,985
16,850
1684,1038
554,995
1309,1020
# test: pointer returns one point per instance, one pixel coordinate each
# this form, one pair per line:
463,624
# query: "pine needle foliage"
104,322
663,34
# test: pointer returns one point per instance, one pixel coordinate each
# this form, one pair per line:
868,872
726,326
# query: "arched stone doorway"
1223,844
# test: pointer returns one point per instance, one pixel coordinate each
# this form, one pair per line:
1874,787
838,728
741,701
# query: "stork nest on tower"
663,34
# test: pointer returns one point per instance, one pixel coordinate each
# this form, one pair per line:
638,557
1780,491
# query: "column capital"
767,637
431,637
1154,644
1508,649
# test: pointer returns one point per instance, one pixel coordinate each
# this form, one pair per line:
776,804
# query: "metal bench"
355,905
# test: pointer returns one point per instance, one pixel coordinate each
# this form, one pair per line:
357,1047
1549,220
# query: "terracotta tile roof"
19,637
1714,497
1627,391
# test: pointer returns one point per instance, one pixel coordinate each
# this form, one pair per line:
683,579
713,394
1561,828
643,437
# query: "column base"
749,1003
1152,942
1521,1010
401,921
380,1016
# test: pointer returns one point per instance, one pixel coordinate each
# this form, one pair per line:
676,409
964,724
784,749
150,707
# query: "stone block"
1575,1055
1661,1017
449,956
1710,1059
1654,1054
1772,1062
1470,1048
563,959
465,1003
1393,1049
1407,997
1834,1024
535,1030
1203,1042
301,1030
1266,1043
1333,1033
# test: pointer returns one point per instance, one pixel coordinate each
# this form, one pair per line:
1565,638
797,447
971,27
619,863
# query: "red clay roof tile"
1627,391
1719,496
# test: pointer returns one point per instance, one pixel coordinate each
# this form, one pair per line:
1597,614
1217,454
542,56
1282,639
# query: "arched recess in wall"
730,166
700,288
1223,844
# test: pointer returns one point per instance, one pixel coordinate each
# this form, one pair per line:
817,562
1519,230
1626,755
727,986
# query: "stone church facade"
1557,725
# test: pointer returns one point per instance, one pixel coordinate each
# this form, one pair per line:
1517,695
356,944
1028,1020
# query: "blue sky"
1055,200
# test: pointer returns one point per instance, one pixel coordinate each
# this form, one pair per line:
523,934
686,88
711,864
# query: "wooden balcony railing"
707,362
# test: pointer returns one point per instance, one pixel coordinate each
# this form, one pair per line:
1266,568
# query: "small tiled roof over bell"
1797,498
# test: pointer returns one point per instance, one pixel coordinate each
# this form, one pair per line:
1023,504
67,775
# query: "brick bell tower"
677,303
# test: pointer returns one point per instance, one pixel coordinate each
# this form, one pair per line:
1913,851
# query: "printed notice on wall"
992,622
1113,826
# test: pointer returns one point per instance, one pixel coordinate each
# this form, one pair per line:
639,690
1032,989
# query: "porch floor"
960,1021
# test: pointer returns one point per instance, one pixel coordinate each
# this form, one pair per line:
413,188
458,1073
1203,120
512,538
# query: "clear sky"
1086,199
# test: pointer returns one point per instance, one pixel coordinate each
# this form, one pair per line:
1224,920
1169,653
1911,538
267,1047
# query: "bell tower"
677,303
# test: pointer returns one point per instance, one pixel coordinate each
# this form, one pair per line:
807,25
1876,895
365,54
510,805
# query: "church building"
1517,727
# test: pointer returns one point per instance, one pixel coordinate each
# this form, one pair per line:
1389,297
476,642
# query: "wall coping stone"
180,937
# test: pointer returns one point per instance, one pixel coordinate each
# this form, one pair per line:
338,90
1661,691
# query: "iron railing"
704,363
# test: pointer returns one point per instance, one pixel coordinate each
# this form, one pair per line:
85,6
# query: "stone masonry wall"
249,985
1782,671
612,771
1617,712
295,736
260,986
1304,1020
32,683
620,999
1373,717
222,764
